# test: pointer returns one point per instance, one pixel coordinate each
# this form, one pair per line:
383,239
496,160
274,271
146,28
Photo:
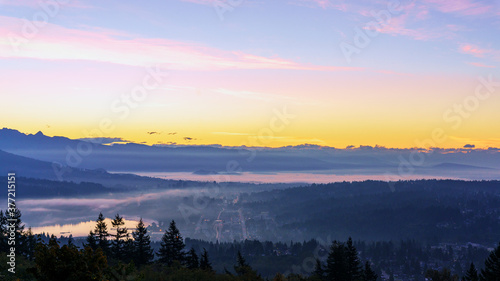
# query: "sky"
251,72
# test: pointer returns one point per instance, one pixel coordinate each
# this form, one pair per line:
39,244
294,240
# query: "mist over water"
287,177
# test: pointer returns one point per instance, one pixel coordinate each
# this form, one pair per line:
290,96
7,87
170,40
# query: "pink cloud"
53,42
479,52
478,64
474,50
398,25
411,21
461,7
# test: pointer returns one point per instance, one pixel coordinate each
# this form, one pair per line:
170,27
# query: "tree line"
124,255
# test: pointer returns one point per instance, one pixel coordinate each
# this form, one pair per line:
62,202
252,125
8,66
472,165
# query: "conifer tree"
204,262
336,263
192,261
91,241
471,274
243,269
491,271
128,250
119,238
101,233
354,268
172,246
368,273
319,272
143,253
30,244
242,266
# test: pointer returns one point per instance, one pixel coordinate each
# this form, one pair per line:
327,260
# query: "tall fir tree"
91,241
143,253
119,238
30,244
192,261
244,270
204,262
491,271
336,263
128,250
319,272
101,233
171,246
471,274
368,273
354,268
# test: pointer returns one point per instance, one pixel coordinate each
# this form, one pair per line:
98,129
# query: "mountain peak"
39,134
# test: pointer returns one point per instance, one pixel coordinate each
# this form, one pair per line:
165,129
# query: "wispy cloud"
461,7
478,64
59,43
479,52
409,23
416,18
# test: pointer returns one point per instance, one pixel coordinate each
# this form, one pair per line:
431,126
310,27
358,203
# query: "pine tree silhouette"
368,273
171,246
192,261
491,271
101,233
337,264
119,238
143,253
354,269
204,262
471,274
91,241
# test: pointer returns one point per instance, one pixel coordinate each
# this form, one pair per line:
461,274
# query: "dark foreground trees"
142,251
491,271
52,261
343,264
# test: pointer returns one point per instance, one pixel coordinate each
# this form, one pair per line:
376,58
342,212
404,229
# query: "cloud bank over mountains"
120,156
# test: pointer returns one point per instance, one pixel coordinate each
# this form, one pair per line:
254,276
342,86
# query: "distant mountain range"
79,158
31,168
